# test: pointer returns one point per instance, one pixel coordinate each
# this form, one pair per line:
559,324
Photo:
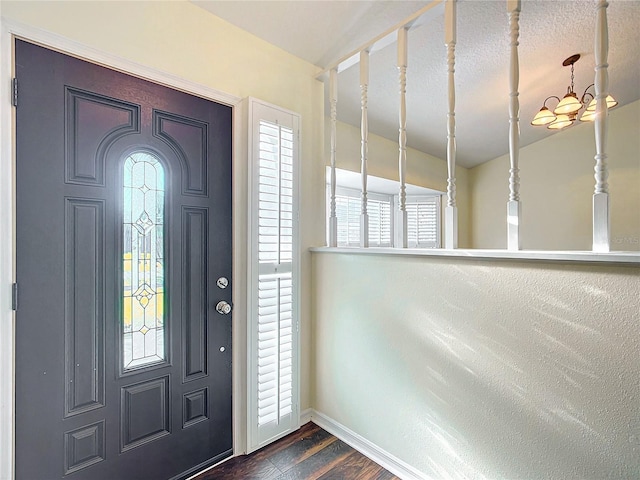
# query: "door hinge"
14,297
14,92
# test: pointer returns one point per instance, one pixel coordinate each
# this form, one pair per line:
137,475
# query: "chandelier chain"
572,77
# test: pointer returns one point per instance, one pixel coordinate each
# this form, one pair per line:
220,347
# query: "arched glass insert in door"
143,315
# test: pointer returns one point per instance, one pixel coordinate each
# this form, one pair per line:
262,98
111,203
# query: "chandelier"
567,109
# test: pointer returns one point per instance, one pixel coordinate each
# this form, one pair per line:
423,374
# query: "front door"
123,234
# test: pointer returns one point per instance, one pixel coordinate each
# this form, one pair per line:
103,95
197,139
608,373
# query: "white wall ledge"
624,258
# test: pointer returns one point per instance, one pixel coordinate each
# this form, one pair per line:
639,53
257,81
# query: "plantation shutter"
423,222
348,209
379,222
348,214
273,340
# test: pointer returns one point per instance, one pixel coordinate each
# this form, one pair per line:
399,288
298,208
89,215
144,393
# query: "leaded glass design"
143,317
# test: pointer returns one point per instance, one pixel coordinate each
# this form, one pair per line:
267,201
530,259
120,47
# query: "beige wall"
557,185
181,39
422,169
482,369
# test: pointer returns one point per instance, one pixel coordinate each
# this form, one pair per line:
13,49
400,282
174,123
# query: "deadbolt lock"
223,308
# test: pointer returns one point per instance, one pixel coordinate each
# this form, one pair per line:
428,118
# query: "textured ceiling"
323,31
319,31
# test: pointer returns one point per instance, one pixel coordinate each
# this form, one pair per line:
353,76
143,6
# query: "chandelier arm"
586,92
584,100
544,104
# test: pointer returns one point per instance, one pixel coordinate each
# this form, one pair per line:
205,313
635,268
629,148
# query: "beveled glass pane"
143,332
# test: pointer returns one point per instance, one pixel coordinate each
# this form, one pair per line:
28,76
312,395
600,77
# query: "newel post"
333,100
451,210
601,219
402,138
514,242
364,132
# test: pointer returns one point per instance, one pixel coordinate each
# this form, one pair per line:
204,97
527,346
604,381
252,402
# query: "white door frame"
10,30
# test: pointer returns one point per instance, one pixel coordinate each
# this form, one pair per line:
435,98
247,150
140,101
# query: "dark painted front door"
123,364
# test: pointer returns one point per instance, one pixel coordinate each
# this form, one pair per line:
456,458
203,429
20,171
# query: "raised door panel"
84,305
188,138
194,325
145,412
92,123
84,447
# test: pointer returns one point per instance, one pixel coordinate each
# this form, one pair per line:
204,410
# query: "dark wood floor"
308,454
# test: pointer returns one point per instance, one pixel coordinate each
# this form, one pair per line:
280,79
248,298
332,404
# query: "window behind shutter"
273,336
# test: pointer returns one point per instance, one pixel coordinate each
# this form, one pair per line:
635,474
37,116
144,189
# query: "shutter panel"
423,221
273,336
275,249
275,345
348,214
275,197
342,215
348,209
379,222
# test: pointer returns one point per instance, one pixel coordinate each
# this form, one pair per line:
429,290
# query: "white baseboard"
364,446
305,416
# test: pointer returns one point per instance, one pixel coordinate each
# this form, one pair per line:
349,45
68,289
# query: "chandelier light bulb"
588,116
611,102
561,122
543,117
569,104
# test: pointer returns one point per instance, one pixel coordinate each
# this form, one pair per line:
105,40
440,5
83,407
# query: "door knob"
223,307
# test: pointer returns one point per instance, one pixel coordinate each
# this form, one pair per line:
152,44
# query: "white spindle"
601,219
333,99
451,210
364,132
514,241
402,138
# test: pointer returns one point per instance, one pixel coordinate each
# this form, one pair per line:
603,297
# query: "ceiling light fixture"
566,111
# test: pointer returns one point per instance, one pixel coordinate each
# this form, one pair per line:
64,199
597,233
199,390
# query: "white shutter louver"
348,214
275,197
274,327
379,223
275,343
348,209
423,220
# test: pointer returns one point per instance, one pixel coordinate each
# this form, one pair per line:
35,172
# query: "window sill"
624,258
